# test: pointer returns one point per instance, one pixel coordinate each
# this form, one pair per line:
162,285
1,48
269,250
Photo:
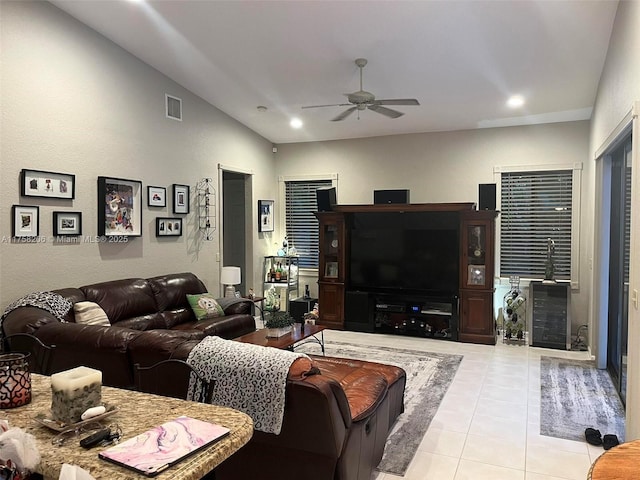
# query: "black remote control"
95,438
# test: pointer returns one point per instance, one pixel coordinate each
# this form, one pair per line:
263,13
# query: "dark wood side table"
619,463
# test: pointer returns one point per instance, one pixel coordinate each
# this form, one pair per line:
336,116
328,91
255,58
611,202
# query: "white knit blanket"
246,377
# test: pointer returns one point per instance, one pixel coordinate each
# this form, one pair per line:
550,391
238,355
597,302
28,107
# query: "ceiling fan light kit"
363,100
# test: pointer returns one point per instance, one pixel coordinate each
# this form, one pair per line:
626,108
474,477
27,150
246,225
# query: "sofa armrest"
235,306
228,327
27,320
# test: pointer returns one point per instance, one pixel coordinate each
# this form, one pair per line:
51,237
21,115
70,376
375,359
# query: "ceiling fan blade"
344,114
330,105
397,101
387,112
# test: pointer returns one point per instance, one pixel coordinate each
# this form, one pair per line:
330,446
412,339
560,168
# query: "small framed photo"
265,216
67,224
475,275
168,227
119,207
180,198
38,183
156,196
26,221
331,270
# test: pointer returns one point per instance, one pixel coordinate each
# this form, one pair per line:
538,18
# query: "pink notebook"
156,450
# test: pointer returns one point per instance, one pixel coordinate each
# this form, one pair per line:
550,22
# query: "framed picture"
331,270
26,221
180,198
119,207
168,227
37,183
156,196
265,216
67,223
475,275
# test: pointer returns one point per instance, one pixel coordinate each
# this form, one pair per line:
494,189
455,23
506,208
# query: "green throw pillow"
205,306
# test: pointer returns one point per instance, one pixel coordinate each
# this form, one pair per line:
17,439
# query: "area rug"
576,395
428,378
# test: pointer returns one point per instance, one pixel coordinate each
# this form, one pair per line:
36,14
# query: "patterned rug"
428,378
576,395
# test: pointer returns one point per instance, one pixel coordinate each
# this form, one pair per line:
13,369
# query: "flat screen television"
412,251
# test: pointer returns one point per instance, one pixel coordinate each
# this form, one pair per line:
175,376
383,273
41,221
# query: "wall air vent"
173,107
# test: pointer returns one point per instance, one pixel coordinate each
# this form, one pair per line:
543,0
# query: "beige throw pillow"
90,313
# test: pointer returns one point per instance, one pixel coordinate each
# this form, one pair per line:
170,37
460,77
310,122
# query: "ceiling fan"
362,100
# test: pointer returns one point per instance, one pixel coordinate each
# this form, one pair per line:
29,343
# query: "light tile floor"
488,424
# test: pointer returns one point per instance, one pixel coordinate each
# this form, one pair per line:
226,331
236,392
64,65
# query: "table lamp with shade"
230,276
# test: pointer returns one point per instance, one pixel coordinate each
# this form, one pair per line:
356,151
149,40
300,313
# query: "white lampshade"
230,276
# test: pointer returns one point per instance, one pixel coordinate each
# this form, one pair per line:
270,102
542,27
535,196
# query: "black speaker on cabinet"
326,199
487,196
390,196
358,312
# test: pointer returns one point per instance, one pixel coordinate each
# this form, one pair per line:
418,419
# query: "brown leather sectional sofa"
336,422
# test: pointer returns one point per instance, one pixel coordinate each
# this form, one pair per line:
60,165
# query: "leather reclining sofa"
337,415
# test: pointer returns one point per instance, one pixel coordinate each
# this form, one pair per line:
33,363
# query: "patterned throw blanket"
55,304
246,377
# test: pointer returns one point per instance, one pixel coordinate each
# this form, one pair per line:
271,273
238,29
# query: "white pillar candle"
74,391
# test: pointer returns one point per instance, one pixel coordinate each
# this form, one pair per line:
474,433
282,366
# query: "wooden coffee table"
298,336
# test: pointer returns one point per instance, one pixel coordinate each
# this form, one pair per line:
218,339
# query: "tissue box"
74,391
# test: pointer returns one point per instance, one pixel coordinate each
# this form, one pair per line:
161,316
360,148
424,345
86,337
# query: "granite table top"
137,413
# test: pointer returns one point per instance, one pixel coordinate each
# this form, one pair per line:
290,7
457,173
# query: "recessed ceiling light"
515,101
295,123
261,108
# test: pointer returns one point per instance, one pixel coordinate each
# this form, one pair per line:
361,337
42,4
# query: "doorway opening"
236,217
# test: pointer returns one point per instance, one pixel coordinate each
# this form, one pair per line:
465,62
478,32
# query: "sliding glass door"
620,235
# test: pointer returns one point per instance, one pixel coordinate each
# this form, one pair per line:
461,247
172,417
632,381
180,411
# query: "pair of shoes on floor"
594,437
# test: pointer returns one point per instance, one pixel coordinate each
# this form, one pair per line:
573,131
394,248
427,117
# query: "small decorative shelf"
206,208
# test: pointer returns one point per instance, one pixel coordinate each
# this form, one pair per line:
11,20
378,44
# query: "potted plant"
278,324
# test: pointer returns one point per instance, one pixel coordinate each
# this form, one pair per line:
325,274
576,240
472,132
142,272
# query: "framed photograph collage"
119,206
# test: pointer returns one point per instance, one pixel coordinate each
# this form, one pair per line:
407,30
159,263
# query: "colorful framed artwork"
26,221
67,224
156,196
180,198
265,216
38,183
168,227
119,207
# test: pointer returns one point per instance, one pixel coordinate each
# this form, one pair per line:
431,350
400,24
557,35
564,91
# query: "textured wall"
74,102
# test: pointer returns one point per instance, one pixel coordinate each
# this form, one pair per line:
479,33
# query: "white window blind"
535,206
301,223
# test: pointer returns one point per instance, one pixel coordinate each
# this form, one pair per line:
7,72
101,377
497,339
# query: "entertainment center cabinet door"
476,319
331,301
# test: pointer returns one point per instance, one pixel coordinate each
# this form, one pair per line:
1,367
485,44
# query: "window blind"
535,206
301,223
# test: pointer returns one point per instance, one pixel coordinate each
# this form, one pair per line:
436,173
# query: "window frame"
576,190
282,211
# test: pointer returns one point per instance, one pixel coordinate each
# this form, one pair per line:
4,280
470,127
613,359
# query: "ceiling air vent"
174,107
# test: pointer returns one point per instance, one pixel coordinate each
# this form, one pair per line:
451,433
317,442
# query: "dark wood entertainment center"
464,312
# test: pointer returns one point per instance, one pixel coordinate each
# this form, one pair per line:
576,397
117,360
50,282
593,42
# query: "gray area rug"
576,395
428,378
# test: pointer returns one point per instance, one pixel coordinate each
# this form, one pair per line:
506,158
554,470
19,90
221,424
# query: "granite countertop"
137,413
